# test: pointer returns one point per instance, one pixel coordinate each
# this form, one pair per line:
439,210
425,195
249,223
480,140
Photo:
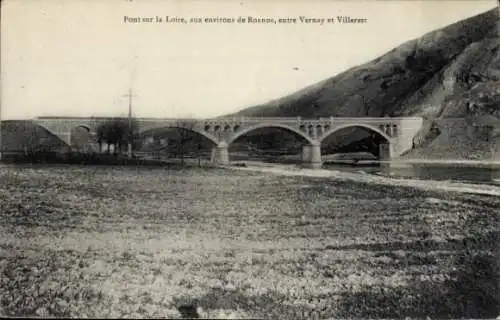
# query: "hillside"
448,73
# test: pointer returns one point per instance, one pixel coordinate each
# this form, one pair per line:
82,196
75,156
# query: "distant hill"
447,73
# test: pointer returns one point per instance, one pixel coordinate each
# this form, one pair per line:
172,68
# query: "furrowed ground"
138,242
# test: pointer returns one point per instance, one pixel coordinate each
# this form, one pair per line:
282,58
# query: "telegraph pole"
130,95
130,135
129,149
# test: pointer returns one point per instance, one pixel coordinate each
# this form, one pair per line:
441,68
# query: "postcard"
249,159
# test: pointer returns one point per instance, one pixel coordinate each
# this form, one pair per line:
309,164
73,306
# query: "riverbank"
448,162
125,242
120,159
434,162
56,158
291,170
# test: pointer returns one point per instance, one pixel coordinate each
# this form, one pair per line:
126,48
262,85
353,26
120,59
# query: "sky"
80,58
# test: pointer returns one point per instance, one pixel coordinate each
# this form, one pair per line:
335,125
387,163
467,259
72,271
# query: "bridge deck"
292,119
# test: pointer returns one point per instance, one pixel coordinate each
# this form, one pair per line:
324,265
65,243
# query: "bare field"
139,242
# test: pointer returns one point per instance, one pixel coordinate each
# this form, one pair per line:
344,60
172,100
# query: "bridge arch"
81,138
51,131
200,132
356,125
383,151
268,125
86,127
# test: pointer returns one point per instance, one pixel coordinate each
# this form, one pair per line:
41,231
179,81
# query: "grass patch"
97,241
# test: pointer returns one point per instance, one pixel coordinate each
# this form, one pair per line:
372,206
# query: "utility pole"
130,95
130,135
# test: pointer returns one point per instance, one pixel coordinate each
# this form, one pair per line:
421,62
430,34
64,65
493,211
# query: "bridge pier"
311,155
385,151
220,154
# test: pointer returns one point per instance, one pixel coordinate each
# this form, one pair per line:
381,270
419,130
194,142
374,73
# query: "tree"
117,132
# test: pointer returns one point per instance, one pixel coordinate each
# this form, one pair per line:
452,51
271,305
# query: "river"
457,173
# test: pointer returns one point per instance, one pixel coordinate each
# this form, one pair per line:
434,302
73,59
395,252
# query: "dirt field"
127,242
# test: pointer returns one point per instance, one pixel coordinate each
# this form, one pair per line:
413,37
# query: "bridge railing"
266,119
331,119
244,119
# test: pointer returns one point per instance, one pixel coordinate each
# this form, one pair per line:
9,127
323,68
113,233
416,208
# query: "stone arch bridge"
397,133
